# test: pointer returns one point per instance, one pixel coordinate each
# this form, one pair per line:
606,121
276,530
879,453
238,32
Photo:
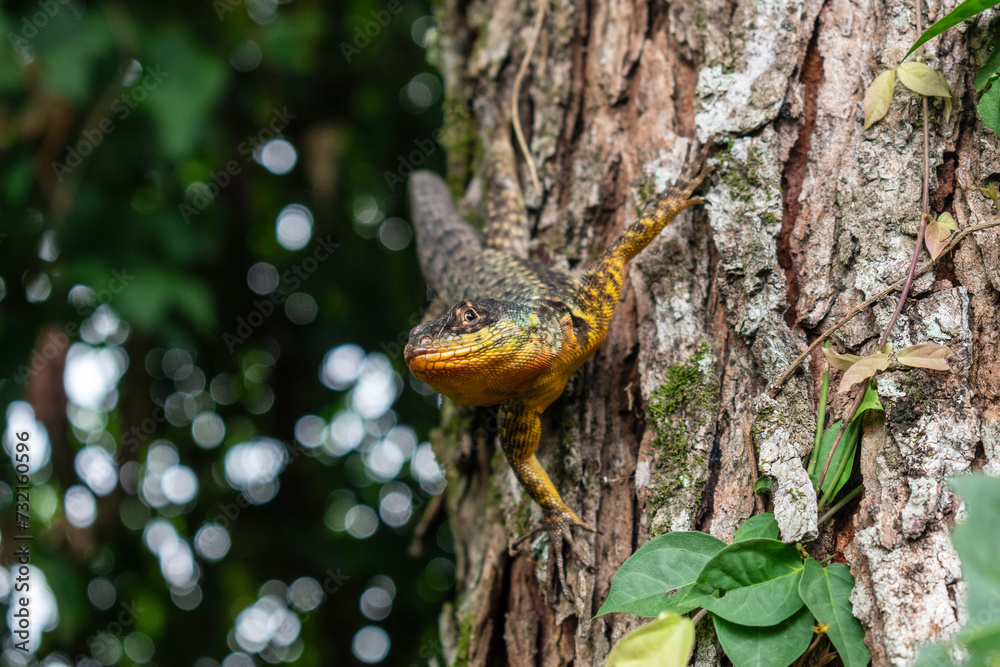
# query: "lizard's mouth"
423,356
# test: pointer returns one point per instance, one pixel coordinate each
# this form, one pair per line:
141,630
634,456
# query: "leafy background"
213,482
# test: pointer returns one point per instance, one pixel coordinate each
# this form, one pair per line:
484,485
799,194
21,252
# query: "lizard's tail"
444,239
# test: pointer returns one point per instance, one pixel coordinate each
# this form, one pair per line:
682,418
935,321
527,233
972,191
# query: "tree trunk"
808,215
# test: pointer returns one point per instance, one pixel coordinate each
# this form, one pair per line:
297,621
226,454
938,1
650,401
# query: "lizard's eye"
470,316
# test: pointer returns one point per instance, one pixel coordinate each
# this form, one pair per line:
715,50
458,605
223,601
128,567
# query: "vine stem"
840,434
840,504
697,617
846,463
911,274
516,93
924,268
821,417
802,660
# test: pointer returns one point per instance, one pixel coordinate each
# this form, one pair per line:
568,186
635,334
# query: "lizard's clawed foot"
559,523
687,185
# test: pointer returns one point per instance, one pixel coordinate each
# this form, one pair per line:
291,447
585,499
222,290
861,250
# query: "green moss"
768,217
680,406
765,422
465,626
700,18
646,195
743,178
567,438
522,522
687,389
458,136
662,492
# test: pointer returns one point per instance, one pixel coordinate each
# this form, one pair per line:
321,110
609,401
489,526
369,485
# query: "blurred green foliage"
117,123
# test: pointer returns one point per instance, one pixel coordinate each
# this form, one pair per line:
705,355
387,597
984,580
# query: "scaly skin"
519,329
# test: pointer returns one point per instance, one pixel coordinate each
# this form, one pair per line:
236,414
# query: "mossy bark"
807,216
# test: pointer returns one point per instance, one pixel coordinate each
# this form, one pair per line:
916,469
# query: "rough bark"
807,216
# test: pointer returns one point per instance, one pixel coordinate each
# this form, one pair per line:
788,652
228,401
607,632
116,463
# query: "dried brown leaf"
925,355
936,236
840,361
863,369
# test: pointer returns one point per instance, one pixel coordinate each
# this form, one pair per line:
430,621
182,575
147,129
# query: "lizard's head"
481,352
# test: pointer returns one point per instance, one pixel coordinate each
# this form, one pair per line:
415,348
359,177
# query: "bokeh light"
371,644
294,227
80,506
301,308
246,56
262,278
278,156
21,420
212,542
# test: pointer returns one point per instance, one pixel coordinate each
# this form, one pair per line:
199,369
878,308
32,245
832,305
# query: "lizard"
517,329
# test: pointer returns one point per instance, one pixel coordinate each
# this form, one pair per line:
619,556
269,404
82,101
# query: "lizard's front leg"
520,431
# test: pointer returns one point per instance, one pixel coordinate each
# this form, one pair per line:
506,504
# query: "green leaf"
989,68
667,641
291,38
864,369
984,639
154,297
643,584
947,100
846,448
977,541
878,97
870,401
70,53
826,592
758,580
925,355
840,361
763,485
774,646
991,191
181,86
933,655
966,10
761,525
922,78
947,221
989,108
